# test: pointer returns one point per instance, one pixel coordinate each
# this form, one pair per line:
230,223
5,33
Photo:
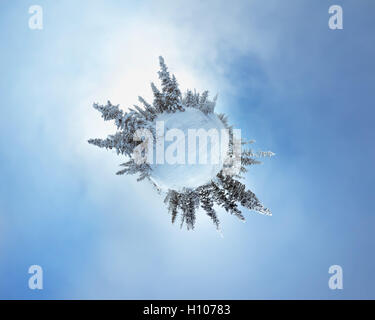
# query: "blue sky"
288,81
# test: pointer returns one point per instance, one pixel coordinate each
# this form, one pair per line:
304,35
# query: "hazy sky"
284,78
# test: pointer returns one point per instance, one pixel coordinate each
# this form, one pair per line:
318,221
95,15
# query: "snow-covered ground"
178,176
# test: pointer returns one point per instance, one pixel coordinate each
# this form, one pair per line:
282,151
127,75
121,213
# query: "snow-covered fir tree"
224,190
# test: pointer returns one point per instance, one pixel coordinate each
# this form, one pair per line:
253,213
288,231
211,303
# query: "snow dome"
189,174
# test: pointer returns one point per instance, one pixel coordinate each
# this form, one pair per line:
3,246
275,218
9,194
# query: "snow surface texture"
180,176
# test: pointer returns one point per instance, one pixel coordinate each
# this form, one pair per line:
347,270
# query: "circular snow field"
180,170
